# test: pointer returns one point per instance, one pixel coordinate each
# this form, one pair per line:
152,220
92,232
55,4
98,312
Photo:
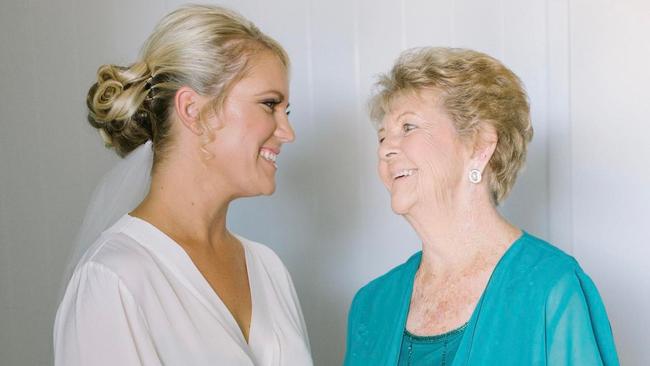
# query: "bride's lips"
270,154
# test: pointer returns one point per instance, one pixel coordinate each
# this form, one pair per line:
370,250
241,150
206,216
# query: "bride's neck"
180,207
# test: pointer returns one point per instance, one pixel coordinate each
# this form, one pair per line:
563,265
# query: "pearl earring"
475,176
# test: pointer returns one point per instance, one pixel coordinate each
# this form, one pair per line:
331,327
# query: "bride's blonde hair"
207,48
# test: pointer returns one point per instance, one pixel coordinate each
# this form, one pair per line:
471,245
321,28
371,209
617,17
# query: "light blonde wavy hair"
474,88
207,48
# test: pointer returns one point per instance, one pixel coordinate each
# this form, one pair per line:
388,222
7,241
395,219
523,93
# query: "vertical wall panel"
260,218
380,42
428,23
333,163
478,25
312,216
61,119
523,27
560,218
610,150
23,214
304,219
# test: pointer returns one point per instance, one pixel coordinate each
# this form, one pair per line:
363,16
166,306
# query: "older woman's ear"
485,142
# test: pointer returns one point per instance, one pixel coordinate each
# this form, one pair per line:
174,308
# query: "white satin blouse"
136,298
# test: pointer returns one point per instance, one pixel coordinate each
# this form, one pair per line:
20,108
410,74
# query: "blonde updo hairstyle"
474,88
207,48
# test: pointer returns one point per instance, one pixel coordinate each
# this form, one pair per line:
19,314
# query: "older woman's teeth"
269,156
404,173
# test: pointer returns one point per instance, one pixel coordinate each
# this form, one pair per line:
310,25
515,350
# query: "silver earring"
475,176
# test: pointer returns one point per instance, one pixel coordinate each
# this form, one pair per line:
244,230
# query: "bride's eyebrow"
272,91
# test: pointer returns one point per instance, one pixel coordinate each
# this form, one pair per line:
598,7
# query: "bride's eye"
271,104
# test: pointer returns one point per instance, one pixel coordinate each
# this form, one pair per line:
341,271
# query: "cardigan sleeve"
351,332
99,322
577,328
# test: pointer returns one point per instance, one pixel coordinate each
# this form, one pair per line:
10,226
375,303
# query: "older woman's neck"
454,239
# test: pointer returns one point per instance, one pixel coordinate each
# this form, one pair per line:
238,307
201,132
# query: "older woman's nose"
388,148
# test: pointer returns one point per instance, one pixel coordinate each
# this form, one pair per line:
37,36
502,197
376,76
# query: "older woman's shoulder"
536,263
532,251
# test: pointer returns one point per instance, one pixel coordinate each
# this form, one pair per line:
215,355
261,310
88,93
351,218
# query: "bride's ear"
187,105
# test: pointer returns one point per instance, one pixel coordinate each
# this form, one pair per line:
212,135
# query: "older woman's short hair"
474,89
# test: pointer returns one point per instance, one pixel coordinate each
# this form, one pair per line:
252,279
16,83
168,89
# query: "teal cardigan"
539,308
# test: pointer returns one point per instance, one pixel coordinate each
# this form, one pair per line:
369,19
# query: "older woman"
453,126
168,284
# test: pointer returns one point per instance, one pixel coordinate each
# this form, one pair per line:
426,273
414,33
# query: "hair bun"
115,104
107,91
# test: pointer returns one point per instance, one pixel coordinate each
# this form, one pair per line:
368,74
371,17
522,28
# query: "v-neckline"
176,258
470,325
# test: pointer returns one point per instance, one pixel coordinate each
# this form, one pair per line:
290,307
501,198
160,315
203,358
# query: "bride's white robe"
136,298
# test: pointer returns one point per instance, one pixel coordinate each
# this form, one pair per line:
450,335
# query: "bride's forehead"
264,75
266,65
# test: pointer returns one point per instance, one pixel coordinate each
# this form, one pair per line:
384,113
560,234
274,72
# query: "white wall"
583,63
610,131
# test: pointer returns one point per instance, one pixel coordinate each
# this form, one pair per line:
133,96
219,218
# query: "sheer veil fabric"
119,191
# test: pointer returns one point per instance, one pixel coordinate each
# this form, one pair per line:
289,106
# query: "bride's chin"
268,192
268,188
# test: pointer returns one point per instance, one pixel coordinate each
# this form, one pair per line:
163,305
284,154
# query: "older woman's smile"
403,173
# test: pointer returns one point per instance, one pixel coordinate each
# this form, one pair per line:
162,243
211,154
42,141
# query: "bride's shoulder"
116,254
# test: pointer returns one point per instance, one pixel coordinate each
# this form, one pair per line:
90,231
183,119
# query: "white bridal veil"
119,192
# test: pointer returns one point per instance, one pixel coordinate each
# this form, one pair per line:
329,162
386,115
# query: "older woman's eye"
408,127
381,139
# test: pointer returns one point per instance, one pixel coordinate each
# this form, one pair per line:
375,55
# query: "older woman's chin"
401,206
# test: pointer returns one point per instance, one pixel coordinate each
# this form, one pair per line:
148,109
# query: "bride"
200,119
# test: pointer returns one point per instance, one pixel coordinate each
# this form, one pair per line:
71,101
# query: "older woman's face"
422,159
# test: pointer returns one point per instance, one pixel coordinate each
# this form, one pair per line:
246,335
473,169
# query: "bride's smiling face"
253,125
